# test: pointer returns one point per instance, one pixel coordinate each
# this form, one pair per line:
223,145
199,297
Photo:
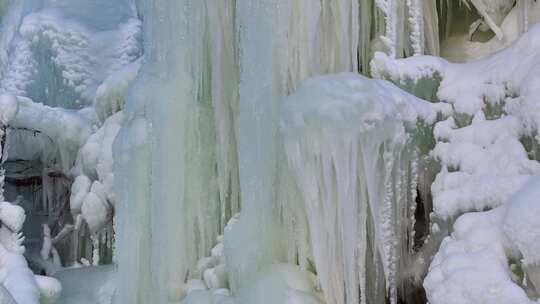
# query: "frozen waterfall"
269,151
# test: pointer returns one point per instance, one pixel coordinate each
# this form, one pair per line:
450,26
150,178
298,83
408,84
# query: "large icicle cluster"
347,143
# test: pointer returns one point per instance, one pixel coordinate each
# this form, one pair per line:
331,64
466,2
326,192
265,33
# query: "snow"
9,106
87,285
473,265
66,129
62,61
473,86
79,190
15,275
50,289
110,94
92,192
520,222
12,216
487,153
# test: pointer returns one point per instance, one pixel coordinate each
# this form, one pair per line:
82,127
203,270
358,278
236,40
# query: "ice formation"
22,286
202,148
65,67
228,113
346,140
487,151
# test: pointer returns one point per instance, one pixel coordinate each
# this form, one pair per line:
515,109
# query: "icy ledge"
491,257
348,142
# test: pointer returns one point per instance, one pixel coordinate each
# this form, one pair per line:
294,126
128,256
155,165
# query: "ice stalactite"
410,27
190,69
355,165
416,24
224,62
431,28
289,41
390,11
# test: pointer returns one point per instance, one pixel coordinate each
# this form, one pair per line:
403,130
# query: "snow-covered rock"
477,263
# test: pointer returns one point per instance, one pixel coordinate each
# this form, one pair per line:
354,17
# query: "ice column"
281,43
356,168
168,148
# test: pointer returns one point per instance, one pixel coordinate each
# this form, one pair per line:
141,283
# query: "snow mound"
52,135
92,193
480,261
12,216
483,164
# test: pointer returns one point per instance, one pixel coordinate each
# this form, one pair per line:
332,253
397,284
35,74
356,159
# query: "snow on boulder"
476,263
522,222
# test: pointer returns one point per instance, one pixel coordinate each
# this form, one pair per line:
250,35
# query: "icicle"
225,101
390,10
431,27
47,243
355,185
366,24
525,7
95,250
416,21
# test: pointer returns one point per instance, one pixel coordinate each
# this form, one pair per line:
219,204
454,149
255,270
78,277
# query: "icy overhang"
350,103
